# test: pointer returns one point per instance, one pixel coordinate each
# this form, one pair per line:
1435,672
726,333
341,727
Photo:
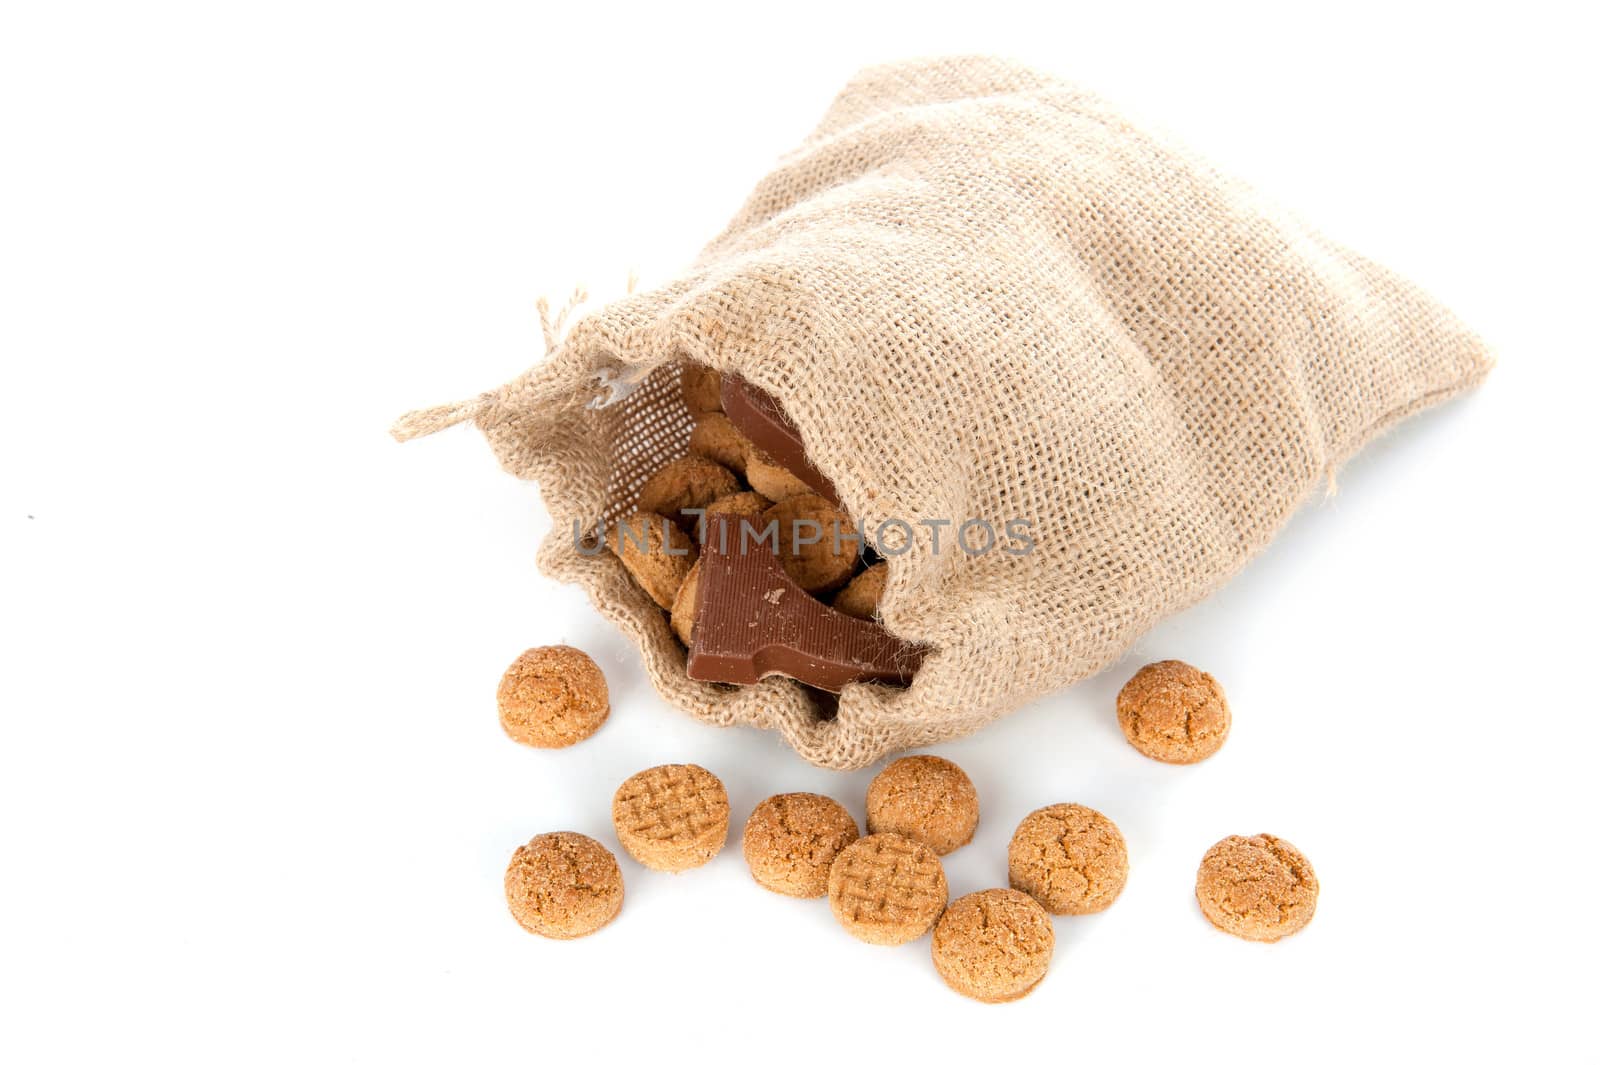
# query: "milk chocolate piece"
752,621
759,417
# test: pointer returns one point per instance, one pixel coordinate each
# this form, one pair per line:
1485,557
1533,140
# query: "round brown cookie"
552,697
715,437
994,945
791,840
683,605
671,817
1256,887
702,388
925,798
687,483
887,889
860,597
770,479
563,885
656,552
819,566
741,505
1070,858
1172,712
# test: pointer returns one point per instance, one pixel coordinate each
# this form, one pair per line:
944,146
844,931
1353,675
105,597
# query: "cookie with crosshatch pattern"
671,817
887,889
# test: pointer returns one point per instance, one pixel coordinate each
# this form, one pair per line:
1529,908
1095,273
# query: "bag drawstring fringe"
553,332
425,422
417,423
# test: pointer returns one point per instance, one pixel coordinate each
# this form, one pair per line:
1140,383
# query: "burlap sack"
979,292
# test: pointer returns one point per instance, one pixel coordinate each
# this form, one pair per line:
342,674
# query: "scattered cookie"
563,885
770,479
1256,887
1172,712
687,483
702,388
994,945
656,552
671,817
832,553
925,798
715,437
683,605
552,697
887,889
791,840
860,597
1070,858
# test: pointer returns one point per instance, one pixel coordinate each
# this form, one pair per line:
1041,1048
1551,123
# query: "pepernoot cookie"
1256,887
683,605
925,798
994,945
687,483
861,596
671,817
552,697
1172,712
1070,858
563,885
715,437
742,507
887,889
816,540
791,840
771,479
702,388
655,552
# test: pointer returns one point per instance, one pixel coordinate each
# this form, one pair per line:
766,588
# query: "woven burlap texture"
979,292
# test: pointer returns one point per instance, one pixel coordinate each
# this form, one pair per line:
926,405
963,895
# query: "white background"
256,803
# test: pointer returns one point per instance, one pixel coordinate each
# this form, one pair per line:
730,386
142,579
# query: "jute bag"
980,293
